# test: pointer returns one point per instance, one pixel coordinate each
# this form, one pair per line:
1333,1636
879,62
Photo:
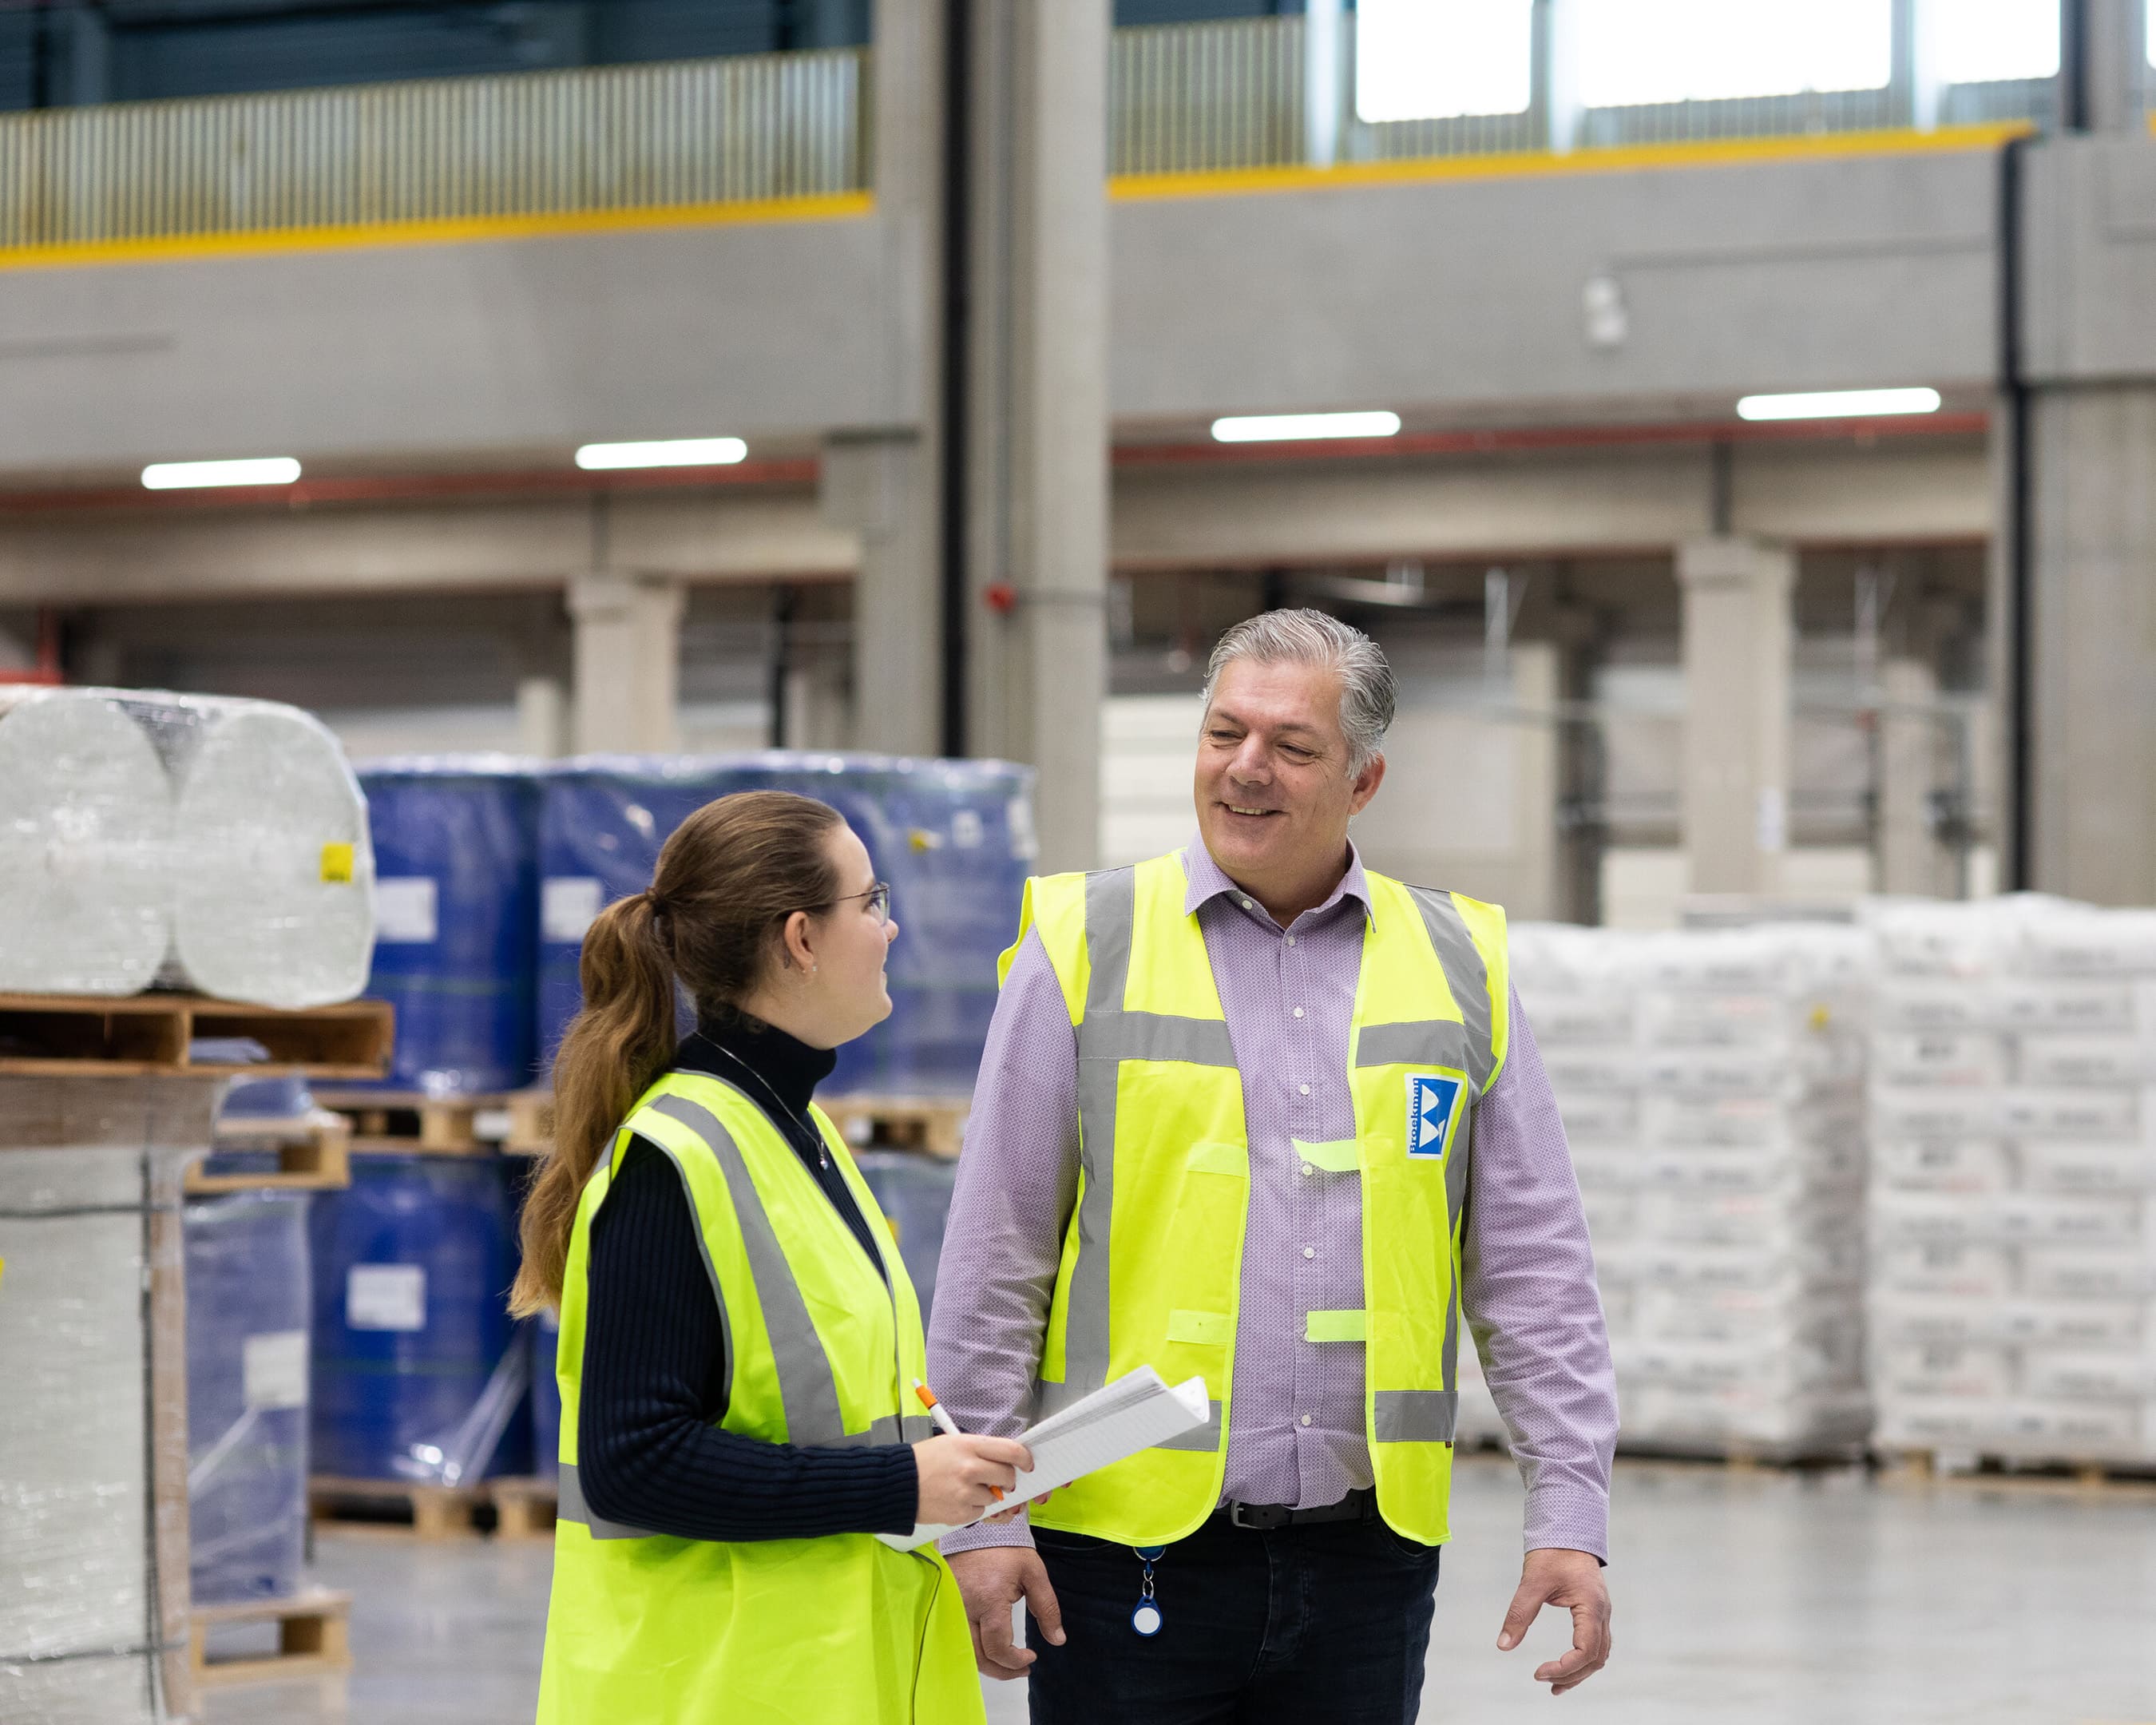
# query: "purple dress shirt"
1294,1419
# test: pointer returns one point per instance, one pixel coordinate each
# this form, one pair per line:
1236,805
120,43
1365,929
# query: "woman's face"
845,994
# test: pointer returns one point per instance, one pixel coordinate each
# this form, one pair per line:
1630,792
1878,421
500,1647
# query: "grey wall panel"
1799,273
438,349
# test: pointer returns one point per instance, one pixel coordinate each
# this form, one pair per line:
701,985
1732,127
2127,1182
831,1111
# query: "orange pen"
944,1423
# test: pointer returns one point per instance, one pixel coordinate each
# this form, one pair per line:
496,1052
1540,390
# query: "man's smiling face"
1273,788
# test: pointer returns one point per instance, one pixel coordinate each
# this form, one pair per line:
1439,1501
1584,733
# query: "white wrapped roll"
86,826
271,890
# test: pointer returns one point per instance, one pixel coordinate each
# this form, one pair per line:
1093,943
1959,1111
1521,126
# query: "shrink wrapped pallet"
1711,1085
92,1413
228,834
86,817
2013,1242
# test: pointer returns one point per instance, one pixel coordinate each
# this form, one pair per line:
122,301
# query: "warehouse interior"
476,434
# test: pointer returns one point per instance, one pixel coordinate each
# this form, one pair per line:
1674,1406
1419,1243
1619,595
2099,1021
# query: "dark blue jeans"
1328,1622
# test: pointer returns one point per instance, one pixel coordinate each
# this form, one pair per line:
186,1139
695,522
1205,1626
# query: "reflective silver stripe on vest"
1426,1042
1464,973
807,1390
1204,1438
573,1508
1107,1036
1416,1416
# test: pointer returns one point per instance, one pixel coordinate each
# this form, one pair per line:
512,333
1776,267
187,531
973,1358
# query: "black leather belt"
1263,1517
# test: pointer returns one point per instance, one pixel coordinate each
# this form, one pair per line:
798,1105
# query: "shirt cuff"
983,1534
1569,1517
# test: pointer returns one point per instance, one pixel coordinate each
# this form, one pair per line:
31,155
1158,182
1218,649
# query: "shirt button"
1305,1089
1306,1419
1290,940
1246,904
1298,1012
1307,1171
1309,1251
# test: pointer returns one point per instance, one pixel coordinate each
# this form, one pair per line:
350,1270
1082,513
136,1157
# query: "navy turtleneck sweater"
650,1453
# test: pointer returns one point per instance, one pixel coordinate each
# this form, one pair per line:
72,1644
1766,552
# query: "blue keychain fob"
1145,1615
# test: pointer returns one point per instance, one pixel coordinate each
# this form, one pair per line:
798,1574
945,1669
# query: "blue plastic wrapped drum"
961,845
249,1292
456,918
419,1373
914,1193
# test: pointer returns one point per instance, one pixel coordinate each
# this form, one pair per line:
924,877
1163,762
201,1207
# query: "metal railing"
1213,97
743,129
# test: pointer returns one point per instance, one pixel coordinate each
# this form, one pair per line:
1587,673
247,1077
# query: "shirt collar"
1207,880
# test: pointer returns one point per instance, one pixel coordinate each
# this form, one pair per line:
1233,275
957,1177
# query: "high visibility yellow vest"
646,1628
1152,1263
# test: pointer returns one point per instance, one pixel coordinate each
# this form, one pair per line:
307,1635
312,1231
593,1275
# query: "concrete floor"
1740,1596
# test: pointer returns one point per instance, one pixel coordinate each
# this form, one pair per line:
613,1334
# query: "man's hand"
992,1579
1574,1580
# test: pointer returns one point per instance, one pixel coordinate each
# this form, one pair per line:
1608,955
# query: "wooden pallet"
314,1641
513,1508
313,1154
933,1124
2038,1476
408,1123
530,1122
68,1035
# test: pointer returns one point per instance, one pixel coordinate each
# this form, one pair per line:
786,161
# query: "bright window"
1987,41
1435,59
1632,51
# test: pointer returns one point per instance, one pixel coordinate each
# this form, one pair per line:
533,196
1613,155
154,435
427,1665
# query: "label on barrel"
274,1368
404,911
386,1297
568,904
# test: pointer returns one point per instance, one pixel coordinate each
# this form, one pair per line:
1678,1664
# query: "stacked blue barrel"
953,838
418,1372
456,895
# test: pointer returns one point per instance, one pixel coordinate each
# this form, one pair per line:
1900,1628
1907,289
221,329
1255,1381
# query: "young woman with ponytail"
737,1331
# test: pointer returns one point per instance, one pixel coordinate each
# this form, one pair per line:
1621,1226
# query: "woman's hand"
957,1473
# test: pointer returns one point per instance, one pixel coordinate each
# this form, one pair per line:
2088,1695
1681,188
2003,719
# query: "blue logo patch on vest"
1433,1105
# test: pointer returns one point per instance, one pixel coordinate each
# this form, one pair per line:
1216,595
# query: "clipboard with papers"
1134,1413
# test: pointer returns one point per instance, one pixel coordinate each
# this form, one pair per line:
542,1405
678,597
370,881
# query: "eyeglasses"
879,898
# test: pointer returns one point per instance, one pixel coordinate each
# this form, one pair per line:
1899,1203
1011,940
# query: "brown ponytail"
726,881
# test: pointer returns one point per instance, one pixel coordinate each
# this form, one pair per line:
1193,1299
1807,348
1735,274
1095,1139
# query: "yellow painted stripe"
461,230
1717,153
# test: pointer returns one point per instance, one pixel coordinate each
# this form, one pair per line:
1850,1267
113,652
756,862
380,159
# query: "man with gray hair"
1252,1112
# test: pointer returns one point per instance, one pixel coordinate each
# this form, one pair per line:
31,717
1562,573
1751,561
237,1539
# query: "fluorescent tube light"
183,476
1838,404
1293,427
668,452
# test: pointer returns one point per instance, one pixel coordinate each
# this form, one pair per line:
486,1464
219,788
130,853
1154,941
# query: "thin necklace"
823,1152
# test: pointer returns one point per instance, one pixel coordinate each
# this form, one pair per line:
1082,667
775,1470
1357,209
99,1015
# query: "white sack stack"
2014,1124
86,829
1712,1086
229,835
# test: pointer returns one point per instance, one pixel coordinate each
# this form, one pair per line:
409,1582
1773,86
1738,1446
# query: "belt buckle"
1260,1517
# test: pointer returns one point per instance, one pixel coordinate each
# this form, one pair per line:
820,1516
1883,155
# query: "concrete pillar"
627,657
1913,748
1038,469
1738,641
2118,72
2093,663
1537,891
882,487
